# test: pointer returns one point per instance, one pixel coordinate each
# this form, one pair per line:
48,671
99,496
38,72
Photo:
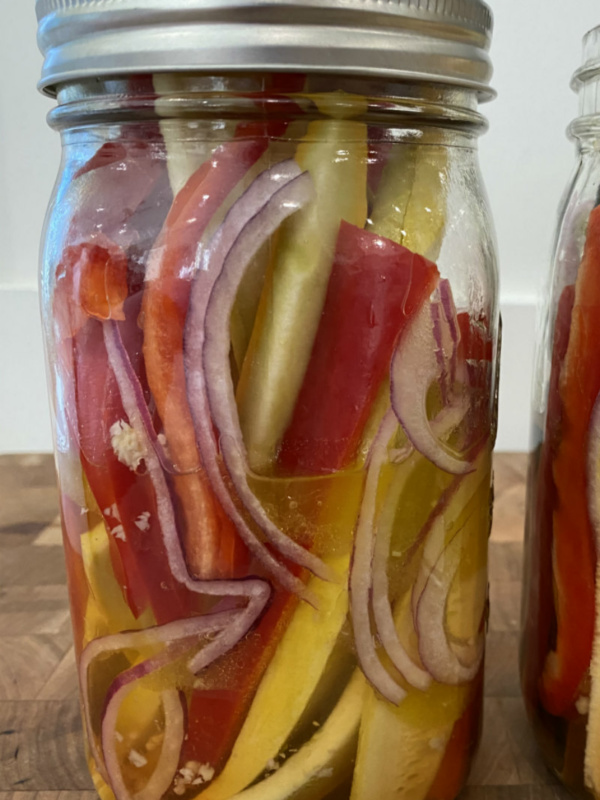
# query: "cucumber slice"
335,153
410,207
186,150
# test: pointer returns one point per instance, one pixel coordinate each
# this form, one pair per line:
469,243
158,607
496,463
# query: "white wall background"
526,160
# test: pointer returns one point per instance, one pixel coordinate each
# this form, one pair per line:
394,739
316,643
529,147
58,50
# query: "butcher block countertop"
41,752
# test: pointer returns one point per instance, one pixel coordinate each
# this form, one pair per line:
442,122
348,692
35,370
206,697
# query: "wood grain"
41,752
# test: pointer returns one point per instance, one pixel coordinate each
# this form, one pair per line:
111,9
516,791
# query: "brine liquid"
290,702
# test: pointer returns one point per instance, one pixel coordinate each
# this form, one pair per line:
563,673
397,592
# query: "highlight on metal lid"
439,41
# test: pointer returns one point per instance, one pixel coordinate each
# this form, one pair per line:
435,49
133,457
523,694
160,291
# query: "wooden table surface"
40,730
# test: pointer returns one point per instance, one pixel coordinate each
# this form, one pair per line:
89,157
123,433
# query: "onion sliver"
239,215
166,768
445,422
380,600
210,378
360,571
414,368
435,648
178,633
168,761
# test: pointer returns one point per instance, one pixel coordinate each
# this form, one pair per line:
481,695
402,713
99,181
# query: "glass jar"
269,298
559,671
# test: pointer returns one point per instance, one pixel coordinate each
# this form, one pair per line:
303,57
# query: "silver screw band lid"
441,41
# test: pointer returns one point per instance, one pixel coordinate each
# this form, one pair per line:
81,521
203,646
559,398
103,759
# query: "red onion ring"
250,221
434,519
145,420
220,623
385,625
166,768
219,386
169,634
414,368
360,571
435,649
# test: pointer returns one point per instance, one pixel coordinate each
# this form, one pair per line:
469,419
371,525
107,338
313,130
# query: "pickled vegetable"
279,417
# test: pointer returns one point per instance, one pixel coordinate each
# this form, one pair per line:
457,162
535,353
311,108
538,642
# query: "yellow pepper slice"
288,684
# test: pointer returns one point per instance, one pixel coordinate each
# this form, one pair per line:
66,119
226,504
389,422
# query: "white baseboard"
25,419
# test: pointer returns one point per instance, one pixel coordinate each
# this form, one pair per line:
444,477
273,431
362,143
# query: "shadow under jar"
269,299
560,667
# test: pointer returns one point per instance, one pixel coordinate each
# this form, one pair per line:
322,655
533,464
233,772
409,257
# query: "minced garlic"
126,444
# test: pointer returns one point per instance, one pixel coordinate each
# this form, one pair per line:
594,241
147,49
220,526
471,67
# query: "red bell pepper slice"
374,288
573,554
215,715
213,548
538,599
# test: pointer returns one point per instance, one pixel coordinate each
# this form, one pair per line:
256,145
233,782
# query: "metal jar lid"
441,41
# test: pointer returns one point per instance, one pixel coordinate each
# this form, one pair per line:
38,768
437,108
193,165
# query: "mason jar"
269,296
560,667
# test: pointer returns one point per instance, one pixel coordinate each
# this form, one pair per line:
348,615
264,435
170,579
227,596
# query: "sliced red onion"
593,472
435,519
210,388
170,634
445,422
166,769
414,368
168,761
360,571
435,648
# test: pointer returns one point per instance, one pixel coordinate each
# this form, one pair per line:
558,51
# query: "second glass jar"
560,672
